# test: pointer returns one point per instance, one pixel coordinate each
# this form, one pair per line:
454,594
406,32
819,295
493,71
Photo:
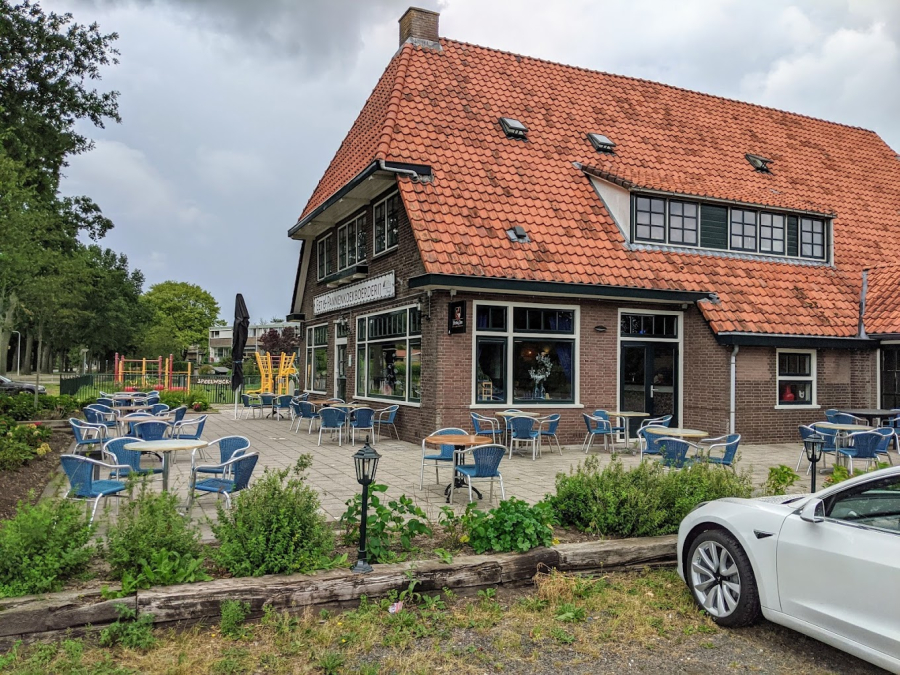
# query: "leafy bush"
165,568
232,614
20,443
147,524
840,473
512,526
274,527
21,407
196,399
389,526
780,478
640,502
129,630
42,546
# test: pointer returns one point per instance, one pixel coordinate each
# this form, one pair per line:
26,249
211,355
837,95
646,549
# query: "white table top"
520,413
628,413
836,426
165,445
676,431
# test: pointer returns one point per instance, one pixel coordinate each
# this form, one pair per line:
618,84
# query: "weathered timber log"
591,556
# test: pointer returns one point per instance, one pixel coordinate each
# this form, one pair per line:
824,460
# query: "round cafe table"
132,408
166,447
128,419
626,415
677,432
459,442
842,432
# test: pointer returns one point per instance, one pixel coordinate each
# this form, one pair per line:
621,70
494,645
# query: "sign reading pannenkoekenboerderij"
369,290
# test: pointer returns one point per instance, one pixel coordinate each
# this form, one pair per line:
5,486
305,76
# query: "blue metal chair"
443,458
82,485
387,417
159,409
830,447
845,418
727,445
95,415
308,412
506,419
229,448
152,431
548,426
604,415
649,442
87,435
486,426
296,415
332,419
890,435
522,431
363,420
486,464
108,402
596,426
178,414
673,452
865,447
830,413
131,459
250,405
282,404
130,420
150,399
240,468
191,429
267,400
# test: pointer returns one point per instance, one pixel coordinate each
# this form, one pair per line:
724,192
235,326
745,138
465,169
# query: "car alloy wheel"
715,579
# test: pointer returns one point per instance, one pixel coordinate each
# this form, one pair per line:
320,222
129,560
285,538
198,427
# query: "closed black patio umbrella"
238,342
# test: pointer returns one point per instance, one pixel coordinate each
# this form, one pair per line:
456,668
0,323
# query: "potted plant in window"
540,373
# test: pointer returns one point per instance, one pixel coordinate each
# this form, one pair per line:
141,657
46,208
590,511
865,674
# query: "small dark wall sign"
456,317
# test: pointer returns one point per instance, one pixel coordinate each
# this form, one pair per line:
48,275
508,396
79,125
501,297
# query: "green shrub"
780,478
840,473
21,407
165,568
147,524
129,630
512,526
42,546
640,502
274,527
196,399
389,527
20,443
233,613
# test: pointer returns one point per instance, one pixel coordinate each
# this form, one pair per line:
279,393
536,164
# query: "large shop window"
323,257
796,377
524,355
389,355
387,217
317,358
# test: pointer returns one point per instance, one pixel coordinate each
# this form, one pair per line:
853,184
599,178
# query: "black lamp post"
813,446
366,462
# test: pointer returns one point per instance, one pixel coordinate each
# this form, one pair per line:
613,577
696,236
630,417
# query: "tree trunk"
17,356
28,354
7,314
37,382
47,361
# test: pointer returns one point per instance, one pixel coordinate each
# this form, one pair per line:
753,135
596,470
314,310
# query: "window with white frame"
323,257
387,222
796,377
351,238
317,358
389,355
524,354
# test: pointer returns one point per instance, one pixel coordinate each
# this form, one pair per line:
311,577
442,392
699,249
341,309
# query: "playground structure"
270,381
158,373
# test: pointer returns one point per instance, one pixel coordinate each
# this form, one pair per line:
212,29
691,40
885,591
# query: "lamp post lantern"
365,461
813,446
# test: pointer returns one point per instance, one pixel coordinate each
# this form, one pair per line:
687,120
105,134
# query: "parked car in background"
11,387
826,565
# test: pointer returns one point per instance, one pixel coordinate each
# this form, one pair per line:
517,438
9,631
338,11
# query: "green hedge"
21,407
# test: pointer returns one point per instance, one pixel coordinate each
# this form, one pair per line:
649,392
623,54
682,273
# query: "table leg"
165,471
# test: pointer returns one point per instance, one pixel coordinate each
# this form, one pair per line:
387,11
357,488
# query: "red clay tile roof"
441,108
882,309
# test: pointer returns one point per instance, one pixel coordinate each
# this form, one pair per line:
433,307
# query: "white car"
826,565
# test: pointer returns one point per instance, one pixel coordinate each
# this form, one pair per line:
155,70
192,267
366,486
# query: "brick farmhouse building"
500,231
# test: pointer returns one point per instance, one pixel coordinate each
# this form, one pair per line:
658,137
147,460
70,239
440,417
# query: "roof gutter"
334,199
861,328
492,284
796,341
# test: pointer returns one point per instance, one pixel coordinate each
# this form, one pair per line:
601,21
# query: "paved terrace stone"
333,475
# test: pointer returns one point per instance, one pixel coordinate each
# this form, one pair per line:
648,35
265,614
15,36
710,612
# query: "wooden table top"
676,431
465,440
165,445
520,413
836,426
628,413
145,418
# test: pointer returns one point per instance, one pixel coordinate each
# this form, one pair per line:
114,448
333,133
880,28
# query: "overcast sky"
232,109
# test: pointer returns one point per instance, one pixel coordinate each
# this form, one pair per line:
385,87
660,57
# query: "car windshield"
4,379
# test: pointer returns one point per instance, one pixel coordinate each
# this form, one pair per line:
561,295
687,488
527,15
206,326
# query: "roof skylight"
761,164
518,234
601,143
513,128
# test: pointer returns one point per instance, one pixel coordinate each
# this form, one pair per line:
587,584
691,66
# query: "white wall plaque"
369,290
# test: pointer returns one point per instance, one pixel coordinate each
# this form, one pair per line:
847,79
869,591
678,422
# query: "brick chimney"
420,26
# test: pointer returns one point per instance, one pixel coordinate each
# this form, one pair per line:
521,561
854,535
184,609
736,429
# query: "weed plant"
512,526
233,614
275,527
640,502
129,630
390,527
42,546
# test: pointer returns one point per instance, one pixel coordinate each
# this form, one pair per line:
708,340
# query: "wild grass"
508,631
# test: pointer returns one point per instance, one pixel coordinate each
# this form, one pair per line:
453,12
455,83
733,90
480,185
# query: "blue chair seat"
472,472
438,458
215,485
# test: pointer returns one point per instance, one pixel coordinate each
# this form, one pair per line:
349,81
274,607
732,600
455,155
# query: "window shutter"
792,235
713,226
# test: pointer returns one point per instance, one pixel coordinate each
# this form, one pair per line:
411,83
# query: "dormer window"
602,144
518,234
513,128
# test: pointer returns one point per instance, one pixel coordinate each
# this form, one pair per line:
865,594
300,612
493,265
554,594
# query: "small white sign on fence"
370,290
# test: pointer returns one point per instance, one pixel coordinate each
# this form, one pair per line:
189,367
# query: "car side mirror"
813,511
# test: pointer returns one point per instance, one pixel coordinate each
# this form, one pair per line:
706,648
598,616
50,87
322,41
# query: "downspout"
403,172
732,411
861,327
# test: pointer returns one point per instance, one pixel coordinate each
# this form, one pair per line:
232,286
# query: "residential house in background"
501,231
220,338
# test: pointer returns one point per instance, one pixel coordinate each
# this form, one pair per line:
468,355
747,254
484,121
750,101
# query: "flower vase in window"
787,396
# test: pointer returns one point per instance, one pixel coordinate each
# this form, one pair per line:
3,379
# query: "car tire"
721,579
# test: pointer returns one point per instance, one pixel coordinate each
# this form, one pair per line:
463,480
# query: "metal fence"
217,388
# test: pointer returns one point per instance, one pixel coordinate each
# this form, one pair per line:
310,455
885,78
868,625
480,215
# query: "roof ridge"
660,84
393,106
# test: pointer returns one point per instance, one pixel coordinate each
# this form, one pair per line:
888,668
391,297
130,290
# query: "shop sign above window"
370,290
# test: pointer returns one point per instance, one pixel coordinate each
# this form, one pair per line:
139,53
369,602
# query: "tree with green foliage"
181,314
